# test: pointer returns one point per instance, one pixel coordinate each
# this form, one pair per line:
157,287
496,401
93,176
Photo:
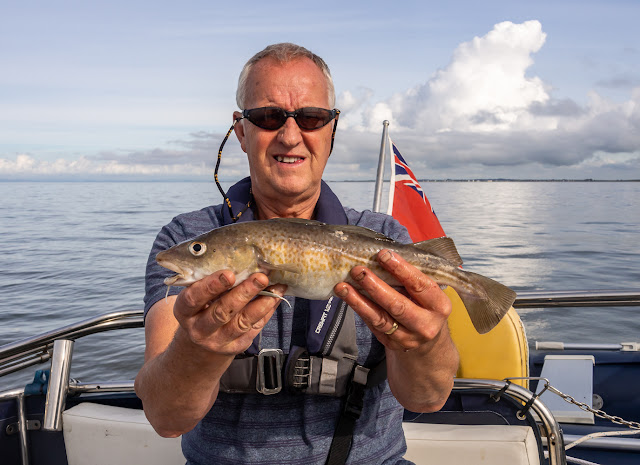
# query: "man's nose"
290,134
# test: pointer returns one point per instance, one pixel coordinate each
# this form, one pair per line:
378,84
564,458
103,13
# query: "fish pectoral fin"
267,266
442,247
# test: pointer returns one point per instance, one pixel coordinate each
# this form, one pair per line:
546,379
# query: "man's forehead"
294,66
298,76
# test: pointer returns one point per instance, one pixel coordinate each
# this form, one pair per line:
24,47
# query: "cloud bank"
482,115
483,109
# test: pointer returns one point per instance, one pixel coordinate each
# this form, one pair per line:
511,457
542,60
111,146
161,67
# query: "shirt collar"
328,210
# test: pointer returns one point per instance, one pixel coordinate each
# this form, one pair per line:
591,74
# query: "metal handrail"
75,330
593,298
21,354
555,443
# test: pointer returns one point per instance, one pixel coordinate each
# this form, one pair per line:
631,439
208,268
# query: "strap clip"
354,402
302,372
269,371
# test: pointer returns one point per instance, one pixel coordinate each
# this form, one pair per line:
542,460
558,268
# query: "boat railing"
57,345
592,298
38,349
31,351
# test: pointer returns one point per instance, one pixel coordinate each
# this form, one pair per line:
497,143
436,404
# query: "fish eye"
197,248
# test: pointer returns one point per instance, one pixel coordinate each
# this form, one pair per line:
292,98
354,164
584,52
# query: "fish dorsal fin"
441,247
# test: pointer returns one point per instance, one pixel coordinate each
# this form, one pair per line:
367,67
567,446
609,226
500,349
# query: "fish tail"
487,310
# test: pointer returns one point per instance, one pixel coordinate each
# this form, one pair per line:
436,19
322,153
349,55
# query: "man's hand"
400,322
190,341
421,358
224,319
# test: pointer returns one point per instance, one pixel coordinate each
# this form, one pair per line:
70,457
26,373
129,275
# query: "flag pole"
377,197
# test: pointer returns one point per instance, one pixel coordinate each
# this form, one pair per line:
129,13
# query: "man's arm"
421,358
190,341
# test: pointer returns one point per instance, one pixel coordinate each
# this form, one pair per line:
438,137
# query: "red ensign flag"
408,204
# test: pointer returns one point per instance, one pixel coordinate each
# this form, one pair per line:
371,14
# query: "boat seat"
435,444
501,353
104,435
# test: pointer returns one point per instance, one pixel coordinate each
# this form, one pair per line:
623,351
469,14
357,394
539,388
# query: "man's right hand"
190,341
224,319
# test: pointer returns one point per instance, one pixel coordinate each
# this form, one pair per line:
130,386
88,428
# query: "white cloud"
27,166
191,159
484,87
484,109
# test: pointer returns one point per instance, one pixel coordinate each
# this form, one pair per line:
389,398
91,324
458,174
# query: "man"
193,337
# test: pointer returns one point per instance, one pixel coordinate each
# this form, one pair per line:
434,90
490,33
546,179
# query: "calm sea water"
70,251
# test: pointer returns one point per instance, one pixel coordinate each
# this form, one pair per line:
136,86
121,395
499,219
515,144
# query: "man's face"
288,161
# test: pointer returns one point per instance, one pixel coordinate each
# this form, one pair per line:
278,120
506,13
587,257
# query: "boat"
514,402
542,417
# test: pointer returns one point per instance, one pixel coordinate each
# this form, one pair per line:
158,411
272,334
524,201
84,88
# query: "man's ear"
239,129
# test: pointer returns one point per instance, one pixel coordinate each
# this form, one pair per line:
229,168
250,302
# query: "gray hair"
283,53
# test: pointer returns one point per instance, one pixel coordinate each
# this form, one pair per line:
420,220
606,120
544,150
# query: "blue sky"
145,90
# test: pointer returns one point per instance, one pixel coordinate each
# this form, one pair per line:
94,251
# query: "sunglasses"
307,118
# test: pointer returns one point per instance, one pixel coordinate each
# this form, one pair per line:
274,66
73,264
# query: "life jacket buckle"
302,372
269,371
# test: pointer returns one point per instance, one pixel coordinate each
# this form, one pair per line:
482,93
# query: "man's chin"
294,187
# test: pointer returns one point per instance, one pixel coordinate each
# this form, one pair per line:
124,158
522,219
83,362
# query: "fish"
311,257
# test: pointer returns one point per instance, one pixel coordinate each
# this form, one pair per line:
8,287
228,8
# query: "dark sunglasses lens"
272,118
313,118
267,118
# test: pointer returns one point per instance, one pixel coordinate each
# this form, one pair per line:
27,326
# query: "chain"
596,412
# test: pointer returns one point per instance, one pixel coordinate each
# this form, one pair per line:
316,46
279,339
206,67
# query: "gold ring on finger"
393,329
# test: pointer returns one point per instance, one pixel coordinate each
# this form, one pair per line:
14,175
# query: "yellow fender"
501,353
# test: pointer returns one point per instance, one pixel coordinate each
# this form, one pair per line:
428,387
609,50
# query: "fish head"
191,261
197,258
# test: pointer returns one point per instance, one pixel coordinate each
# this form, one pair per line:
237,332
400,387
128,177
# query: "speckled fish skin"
312,257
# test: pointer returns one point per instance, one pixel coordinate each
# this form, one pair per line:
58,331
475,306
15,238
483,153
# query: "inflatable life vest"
331,371
334,371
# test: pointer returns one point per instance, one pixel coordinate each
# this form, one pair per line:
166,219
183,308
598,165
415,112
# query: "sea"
74,250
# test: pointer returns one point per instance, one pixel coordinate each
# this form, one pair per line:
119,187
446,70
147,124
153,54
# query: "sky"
497,89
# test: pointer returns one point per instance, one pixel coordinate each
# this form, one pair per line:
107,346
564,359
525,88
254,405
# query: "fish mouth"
182,277
172,280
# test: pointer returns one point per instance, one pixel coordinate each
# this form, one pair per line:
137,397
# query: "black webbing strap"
362,379
343,435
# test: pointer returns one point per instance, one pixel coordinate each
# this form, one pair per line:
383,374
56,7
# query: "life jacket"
328,365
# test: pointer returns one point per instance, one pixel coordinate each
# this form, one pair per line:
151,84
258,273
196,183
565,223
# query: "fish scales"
312,257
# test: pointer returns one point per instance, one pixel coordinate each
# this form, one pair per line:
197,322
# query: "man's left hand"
400,322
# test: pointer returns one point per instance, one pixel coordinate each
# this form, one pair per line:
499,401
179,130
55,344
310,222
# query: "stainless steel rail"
595,298
555,444
58,387
625,444
20,354
37,349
